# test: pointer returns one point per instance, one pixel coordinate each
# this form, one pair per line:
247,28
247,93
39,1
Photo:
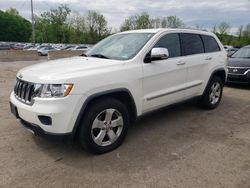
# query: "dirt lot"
180,146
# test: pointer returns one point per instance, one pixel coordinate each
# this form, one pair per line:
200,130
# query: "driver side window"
172,43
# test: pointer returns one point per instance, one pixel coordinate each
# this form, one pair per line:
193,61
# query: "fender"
94,96
211,76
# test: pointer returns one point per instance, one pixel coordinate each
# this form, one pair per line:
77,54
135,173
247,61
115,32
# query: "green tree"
77,27
96,27
144,21
223,28
129,23
14,27
174,22
12,11
51,25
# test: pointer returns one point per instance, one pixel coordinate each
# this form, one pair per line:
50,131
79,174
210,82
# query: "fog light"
46,120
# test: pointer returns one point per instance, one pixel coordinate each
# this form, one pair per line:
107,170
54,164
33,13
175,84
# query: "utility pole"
33,26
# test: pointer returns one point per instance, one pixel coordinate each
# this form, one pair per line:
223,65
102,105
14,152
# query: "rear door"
196,61
164,80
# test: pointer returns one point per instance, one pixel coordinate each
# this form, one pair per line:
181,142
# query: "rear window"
210,44
192,44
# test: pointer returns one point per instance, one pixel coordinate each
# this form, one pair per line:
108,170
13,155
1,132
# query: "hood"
239,62
61,70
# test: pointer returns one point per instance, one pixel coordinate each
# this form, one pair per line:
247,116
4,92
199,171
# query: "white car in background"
79,48
45,50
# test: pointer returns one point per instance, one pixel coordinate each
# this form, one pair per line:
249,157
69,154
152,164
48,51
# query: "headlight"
52,90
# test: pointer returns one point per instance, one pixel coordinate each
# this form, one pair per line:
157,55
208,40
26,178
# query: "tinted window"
192,44
172,43
210,44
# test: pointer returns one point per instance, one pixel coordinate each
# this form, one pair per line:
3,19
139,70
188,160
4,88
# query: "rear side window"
210,44
192,44
172,43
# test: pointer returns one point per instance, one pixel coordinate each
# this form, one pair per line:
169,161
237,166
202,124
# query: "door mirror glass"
157,54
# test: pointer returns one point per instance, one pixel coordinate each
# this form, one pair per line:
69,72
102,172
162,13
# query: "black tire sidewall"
206,99
85,137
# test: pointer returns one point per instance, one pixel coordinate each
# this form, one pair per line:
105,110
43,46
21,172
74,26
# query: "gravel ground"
200,149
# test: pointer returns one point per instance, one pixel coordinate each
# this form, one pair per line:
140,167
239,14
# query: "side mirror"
157,54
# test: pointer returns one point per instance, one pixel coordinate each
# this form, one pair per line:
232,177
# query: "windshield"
242,53
120,46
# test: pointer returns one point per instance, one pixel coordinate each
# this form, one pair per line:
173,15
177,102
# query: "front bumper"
63,113
239,78
38,131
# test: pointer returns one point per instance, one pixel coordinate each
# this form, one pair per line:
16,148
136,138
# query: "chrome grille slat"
24,91
27,92
19,92
31,92
15,89
17,86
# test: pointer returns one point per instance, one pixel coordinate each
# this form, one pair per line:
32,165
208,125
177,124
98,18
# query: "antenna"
33,26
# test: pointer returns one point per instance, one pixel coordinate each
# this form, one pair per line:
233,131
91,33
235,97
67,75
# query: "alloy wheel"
107,127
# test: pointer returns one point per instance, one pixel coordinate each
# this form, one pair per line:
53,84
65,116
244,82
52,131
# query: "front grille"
237,70
24,91
238,78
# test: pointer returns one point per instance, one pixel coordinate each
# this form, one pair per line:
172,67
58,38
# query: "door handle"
208,58
181,63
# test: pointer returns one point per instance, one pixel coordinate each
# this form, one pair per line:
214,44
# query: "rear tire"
104,126
213,94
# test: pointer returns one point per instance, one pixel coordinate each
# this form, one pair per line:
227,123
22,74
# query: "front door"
165,80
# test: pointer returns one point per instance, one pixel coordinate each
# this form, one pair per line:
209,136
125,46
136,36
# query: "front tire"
104,126
213,94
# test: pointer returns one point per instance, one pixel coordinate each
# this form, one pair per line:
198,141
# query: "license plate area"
14,110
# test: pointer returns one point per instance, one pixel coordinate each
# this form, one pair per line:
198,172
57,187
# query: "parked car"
29,46
79,48
45,50
38,47
67,47
4,47
239,66
18,46
126,75
231,51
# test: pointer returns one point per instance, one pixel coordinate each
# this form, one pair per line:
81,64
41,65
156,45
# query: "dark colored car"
231,51
239,66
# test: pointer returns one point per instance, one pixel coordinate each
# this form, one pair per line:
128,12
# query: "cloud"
206,13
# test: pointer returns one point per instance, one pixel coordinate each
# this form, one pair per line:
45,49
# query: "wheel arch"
221,73
121,94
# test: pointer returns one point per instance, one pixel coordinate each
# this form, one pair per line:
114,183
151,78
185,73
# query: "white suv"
96,96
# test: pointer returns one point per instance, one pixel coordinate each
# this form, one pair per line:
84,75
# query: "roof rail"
195,29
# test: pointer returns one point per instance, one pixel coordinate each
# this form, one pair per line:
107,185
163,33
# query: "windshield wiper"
99,56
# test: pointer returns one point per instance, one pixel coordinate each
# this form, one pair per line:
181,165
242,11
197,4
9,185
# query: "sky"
205,13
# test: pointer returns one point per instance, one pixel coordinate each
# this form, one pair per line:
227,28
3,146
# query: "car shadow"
151,133
157,138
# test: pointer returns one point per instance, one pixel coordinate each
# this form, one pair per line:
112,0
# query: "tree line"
14,27
61,25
